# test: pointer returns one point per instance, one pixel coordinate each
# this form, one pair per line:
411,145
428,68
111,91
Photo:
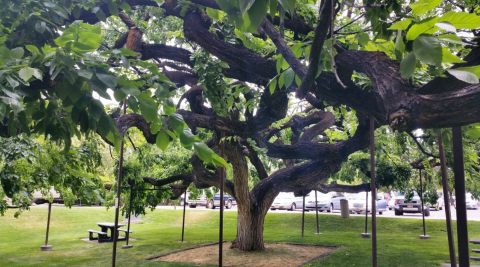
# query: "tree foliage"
291,83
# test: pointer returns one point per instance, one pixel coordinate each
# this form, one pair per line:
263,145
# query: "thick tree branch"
325,188
161,182
321,31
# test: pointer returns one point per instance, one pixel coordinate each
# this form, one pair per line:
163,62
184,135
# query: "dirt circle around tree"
275,254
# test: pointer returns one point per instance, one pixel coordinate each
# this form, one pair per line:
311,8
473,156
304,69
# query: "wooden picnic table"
103,235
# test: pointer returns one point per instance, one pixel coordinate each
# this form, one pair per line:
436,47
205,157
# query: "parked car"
201,200
323,201
470,202
357,203
228,201
284,201
413,206
335,198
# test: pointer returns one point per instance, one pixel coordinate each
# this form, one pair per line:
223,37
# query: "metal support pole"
48,222
117,199
448,215
222,181
374,192
424,236
316,210
366,213
46,247
303,215
366,234
129,216
184,206
458,170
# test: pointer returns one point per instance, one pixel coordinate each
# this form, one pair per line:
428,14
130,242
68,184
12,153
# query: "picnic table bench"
102,236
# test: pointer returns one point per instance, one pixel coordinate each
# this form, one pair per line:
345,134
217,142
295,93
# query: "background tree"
29,165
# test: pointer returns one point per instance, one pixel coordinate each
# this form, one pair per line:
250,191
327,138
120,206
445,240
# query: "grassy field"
160,231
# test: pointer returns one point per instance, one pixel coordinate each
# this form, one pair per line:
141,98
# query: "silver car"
284,201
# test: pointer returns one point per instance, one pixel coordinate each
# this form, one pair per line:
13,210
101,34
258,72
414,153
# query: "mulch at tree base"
275,254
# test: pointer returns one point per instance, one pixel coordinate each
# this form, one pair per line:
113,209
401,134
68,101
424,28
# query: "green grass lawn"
160,231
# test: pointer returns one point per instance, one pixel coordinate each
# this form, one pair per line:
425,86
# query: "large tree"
295,81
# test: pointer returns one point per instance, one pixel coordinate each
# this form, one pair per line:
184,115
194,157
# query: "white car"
357,203
284,201
324,202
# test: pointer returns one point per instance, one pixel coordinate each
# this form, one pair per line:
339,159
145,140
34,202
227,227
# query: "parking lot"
472,215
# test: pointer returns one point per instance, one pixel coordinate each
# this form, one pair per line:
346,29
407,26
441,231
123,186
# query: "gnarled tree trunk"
250,228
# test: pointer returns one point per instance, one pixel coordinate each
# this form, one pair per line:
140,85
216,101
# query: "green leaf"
451,38
475,70
245,5
125,6
109,80
214,14
32,49
149,110
474,133
407,67
119,95
423,6
289,76
13,82
272,85
421,28
401,25
462,20
132,103
162,91
168,106
203,151
155,127
25,73
85,73
113,9
257,14
288,5
273,7
281,80
76,12
17,52
125,61
446,26
219,161
448,57
13,103
176,122
104,126
428,49
363,39
399,44
187,138
128,52
99,13
130,91
162,140
464,76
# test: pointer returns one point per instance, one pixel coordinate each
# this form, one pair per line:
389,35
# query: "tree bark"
250,228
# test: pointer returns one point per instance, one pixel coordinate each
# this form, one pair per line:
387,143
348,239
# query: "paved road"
472,215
